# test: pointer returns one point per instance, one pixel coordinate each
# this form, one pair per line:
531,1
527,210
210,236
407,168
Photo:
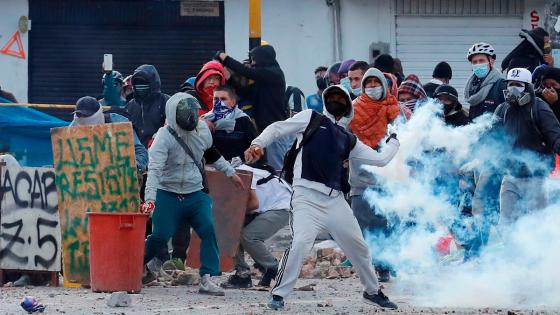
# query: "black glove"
217,56
392,136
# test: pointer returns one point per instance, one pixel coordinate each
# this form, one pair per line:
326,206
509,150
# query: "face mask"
481,70
357,91
141,90
516,95
411,104
374,93
209,90
220,110
346,84
336,109
321,83
187,115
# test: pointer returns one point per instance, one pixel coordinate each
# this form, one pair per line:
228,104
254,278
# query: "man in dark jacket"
147,110
534,133
484,89
441,75
267,94
269,87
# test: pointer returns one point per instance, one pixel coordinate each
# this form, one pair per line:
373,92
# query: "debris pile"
325,264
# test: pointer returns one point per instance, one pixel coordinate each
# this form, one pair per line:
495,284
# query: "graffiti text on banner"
29,221
95,172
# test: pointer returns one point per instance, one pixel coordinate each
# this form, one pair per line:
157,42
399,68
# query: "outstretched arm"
362,151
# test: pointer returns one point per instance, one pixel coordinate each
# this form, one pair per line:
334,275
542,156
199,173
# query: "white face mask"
374,93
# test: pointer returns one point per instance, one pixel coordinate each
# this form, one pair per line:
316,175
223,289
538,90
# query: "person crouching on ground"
267,213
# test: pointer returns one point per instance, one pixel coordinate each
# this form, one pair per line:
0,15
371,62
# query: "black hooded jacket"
530,50
268,92
532,127
147,115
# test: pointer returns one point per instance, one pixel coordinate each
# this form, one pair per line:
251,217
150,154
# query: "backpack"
290,158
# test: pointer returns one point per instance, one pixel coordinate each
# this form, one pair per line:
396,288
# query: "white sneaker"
207,286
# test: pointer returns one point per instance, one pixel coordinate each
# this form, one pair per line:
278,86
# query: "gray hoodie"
170,168
374,72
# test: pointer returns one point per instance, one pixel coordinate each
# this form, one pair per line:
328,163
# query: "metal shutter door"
423,41
69,38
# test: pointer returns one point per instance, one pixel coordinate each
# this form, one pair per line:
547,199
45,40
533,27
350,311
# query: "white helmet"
481,48
520,75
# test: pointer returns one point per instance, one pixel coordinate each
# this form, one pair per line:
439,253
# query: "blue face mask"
481,70
346,84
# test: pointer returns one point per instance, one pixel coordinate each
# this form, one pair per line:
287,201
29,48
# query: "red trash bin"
116,244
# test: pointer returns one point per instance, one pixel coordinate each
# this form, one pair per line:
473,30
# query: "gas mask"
517,95
187,114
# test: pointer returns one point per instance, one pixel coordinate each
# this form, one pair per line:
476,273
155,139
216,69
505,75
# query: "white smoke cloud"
520,267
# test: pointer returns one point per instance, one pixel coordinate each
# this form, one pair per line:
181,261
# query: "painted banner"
229,205
95,172
29,221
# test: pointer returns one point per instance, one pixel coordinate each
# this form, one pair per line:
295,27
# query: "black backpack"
290,158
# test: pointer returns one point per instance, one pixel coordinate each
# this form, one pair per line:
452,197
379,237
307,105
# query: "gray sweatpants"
519,196
313,212
253,235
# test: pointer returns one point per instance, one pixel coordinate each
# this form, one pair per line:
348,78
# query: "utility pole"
254,23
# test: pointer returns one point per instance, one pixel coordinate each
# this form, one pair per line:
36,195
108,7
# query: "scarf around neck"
485,87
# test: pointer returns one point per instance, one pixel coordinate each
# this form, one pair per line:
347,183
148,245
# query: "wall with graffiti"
29,221
14,49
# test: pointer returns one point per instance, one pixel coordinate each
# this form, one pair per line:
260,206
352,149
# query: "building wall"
13,70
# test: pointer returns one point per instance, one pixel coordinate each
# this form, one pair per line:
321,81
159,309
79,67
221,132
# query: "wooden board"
228,207
95,172
29,220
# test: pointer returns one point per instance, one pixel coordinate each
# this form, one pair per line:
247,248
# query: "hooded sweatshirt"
267,94
371,117
297,124
147,114
170,168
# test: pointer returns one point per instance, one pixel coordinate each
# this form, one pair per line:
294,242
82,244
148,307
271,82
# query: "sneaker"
384,275
268,276
276,302
207,286
237,282
148,276
379,299
174,264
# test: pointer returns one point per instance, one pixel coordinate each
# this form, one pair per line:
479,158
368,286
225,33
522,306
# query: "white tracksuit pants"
313,212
